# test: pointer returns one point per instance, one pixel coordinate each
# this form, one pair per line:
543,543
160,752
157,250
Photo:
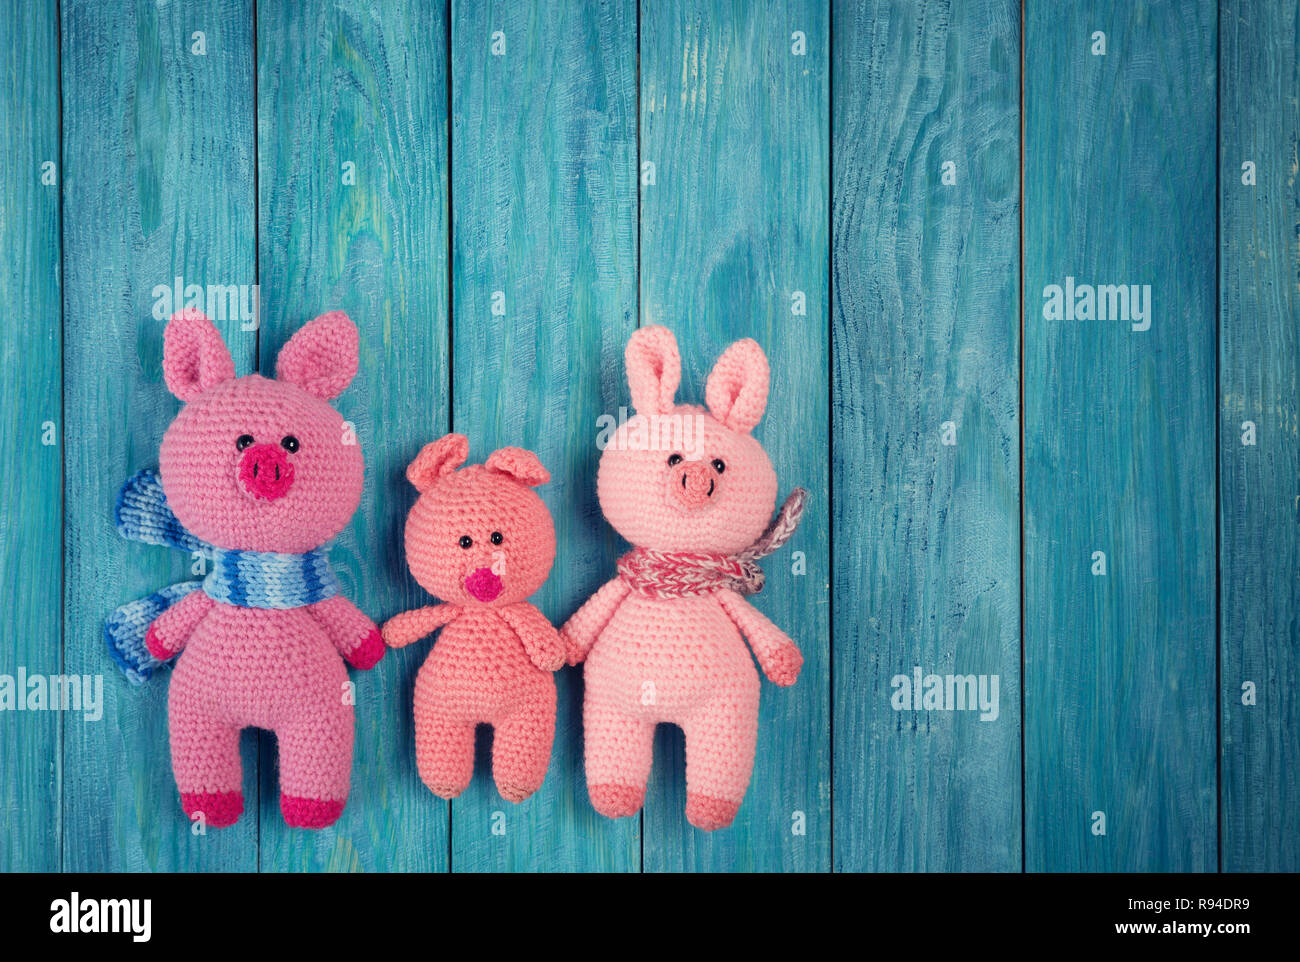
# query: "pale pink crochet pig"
694,492
482,541
263,473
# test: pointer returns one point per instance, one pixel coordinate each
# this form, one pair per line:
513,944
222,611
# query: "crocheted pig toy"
693,492
481,540
257,475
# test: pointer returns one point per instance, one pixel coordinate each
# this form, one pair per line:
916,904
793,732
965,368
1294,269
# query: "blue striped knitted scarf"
246,579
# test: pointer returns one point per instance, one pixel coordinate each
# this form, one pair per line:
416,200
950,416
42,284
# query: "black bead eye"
719,465
466,541
497,538
243,441
674,460
290,444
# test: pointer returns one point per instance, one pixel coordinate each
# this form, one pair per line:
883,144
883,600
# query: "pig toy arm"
401,630
541,640
169,632
354,635
581,631
778,656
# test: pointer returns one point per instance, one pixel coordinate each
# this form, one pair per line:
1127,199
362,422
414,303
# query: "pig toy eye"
466,541
290,444
674,460
719,465
243,441
497,538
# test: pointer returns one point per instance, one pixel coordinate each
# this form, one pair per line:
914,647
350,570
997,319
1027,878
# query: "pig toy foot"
616,801
710,814
218,809
310,812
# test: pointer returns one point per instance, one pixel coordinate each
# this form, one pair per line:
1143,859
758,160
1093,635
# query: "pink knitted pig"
694,492
259,474
480,539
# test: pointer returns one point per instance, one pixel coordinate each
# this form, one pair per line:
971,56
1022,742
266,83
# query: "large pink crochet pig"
259,474
482,541
694,493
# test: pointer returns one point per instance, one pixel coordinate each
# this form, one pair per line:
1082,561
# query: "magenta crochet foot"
482,541
694,492
310,812
616,801
218,809
257,475
710,814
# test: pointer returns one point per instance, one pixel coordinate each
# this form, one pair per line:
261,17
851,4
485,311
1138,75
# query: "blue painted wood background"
880,192
1119,440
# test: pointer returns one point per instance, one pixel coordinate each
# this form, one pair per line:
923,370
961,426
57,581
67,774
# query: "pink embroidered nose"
483,585
693,483
265,472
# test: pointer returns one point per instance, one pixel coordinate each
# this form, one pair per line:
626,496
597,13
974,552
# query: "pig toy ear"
194,355
522,465
654,369
737,388
322,357
437,458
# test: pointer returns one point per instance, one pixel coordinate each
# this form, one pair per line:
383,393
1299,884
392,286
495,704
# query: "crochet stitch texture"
262,471
482,541
662,641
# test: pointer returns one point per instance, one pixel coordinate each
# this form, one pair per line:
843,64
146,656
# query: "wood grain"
1120,710
927,534
544,185
31,436
1259,381
737,126
158,184
363,84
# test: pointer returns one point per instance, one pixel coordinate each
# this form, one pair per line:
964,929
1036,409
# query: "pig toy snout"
483,584
693,483
265,472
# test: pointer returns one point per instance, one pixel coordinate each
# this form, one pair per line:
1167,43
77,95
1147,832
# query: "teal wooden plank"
1120,711
31,439
1259,382
352,145
544,145
158,184
735,120
927,434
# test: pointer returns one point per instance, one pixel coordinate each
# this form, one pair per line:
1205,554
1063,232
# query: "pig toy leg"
720,742
521,747
315,765
619,750
444,750
205,759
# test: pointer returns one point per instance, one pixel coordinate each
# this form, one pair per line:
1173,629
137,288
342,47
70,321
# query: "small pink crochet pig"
259,475
482,541
694,493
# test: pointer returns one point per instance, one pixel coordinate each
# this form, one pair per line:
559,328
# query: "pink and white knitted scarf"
676,574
